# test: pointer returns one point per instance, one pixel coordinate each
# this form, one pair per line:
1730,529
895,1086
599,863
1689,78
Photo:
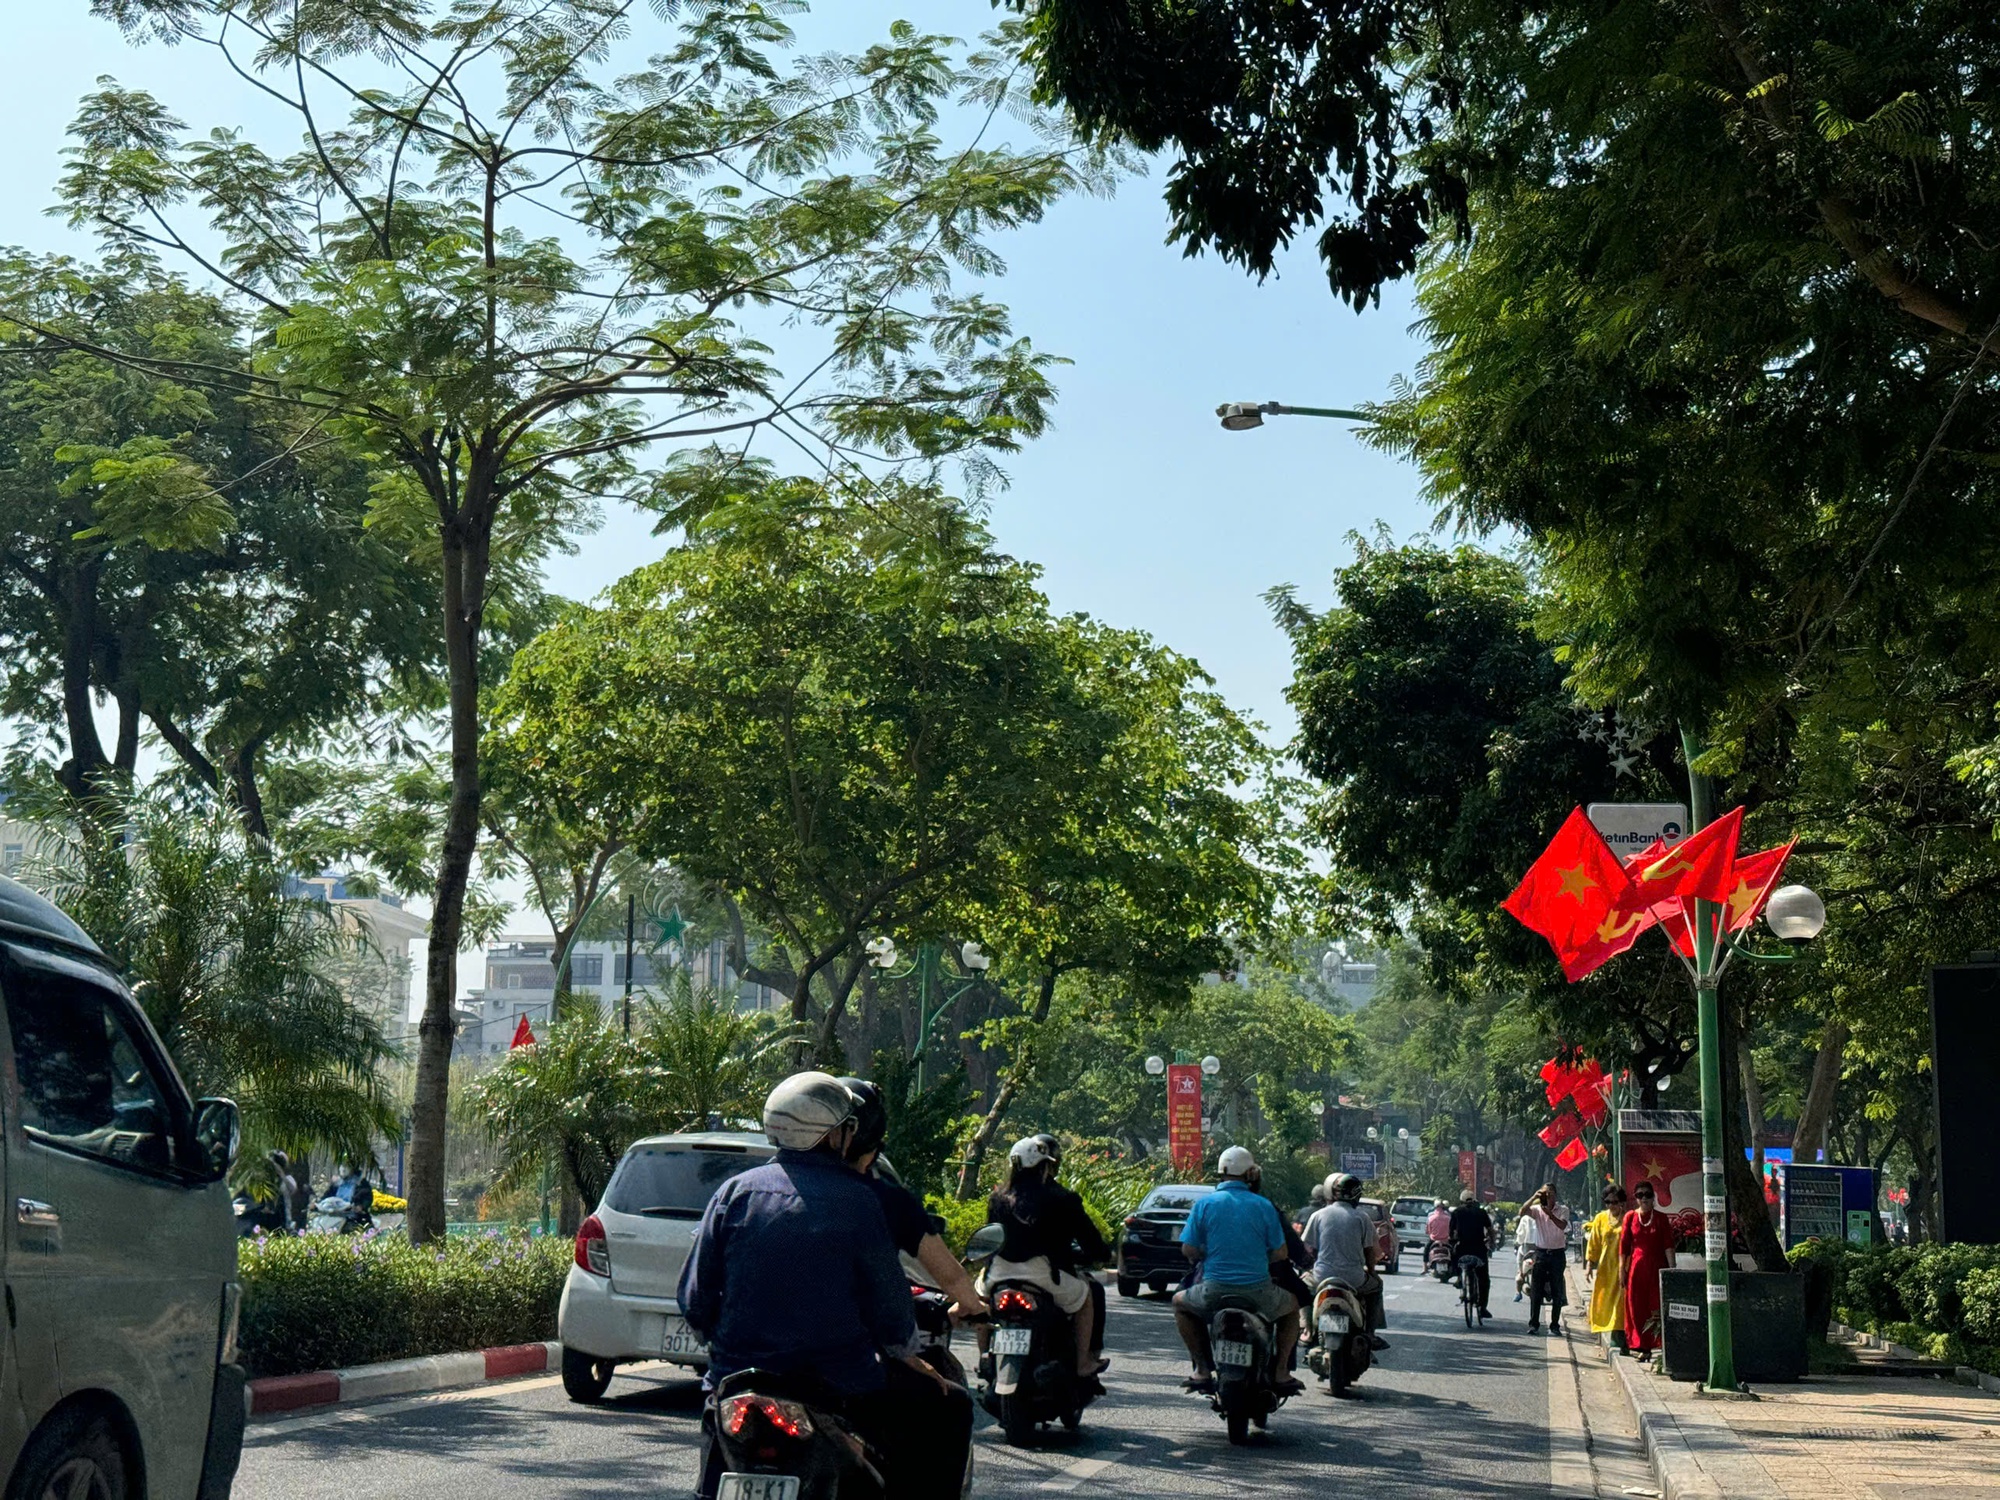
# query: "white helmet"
1235,1162
805,1109
1033,1150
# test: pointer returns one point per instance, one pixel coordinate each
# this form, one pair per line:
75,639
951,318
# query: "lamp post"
1241,416
1799,918
882,956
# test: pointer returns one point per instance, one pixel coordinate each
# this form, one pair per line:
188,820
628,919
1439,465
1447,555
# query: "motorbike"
1245,1347
1028,1372
1342,1351
1437,1259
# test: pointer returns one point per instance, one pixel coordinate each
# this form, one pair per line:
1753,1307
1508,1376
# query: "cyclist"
1473,1236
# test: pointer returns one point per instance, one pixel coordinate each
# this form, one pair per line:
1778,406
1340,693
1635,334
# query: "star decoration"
1575,881
1624,764
1740,901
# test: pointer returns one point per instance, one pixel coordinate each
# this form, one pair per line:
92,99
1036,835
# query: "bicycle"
1471,1275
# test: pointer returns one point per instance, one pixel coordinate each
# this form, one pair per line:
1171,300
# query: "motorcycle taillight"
787,1417
1020,1303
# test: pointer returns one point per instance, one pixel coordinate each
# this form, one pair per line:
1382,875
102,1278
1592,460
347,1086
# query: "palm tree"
238,976
707,1065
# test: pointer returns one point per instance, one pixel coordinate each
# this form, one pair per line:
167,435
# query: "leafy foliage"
239,976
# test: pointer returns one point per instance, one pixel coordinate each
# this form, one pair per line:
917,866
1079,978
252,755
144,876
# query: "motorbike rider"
1342,1239
909,1221
1437,1228
808,1213
1236,1235
1473,1233
1314,1204
1046,1236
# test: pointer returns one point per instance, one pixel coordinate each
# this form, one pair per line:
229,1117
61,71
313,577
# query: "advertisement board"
1826,1203
1361,1164
1184,1118
1670,1160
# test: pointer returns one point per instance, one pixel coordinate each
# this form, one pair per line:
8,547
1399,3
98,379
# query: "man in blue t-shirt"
1235,1235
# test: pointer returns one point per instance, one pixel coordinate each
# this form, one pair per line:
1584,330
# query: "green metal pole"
1320,411
1708,1031
924,1016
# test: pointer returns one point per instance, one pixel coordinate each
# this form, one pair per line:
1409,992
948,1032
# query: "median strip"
278,1394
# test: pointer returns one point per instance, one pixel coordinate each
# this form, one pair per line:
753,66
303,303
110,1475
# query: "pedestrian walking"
1551,1257
1600,1251
1645,1248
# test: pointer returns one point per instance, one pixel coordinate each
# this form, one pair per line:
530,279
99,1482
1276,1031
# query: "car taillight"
1012,1301
593,1251
787,1417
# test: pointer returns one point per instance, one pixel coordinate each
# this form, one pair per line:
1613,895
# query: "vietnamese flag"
1573,896
1756,876
1572,1156
1701,866
1563,1127
524,1035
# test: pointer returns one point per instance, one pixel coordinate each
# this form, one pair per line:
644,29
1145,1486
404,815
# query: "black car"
1149,1251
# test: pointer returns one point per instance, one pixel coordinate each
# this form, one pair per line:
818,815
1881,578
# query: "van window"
674,1182
85,1084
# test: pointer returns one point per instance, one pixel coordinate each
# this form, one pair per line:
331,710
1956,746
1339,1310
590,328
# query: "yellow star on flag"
1575,881
1740,901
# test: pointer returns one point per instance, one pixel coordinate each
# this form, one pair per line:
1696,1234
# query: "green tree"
197,560
504,268
844,715
239,976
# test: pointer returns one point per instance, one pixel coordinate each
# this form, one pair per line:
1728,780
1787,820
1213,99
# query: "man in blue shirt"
793,1271
1235,1233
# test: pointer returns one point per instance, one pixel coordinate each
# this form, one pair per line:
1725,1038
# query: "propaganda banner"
1184,1118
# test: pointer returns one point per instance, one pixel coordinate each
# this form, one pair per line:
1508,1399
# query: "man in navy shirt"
1235,1233
793,1271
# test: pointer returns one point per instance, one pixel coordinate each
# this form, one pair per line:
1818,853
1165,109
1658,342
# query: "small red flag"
1756,876
1572,895
1701,865
1562,1128
1572,1156
524,1036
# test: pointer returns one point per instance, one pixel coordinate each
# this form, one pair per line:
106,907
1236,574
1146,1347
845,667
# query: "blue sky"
1139,507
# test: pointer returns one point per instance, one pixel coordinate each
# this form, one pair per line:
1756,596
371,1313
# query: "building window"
513,981
642,968
586,968
11,856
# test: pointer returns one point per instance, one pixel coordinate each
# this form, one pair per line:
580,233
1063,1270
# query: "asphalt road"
1446,1413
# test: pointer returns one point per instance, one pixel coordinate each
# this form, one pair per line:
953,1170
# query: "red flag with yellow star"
1573,896
1700,866
1756,876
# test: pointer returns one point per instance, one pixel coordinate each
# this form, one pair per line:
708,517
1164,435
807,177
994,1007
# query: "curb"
397,1377
1674,1463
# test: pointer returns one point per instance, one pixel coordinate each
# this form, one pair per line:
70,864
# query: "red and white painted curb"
398,1377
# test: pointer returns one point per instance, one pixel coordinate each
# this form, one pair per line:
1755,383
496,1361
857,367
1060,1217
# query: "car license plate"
757,1487
681,1339
1229,1352
1013,1340
1333,1323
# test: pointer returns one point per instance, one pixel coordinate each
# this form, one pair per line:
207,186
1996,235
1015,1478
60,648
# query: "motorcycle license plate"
758,1487
1229,1352
681,1339
1333,1323
1013,1340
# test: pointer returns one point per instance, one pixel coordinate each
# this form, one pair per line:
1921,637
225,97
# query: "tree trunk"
1017,1076
1745,1189
1753,1103
826,1050
86,761
465,566
1809,1136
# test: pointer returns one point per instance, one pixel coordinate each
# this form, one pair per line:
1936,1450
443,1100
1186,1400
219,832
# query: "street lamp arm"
1341,412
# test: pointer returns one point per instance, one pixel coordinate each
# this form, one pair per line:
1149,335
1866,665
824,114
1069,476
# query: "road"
1447,1413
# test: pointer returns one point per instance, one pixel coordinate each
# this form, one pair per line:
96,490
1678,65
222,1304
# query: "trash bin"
1769,1320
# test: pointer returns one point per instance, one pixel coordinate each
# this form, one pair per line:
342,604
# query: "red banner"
1184,1118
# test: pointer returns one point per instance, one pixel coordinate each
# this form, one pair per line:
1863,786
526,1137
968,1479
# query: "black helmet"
871,1117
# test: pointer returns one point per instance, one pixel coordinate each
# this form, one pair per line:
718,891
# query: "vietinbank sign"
1629,827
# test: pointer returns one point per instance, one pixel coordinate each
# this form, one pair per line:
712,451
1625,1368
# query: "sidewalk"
1829,1437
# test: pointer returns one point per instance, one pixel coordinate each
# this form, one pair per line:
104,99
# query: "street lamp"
975,958
1211,1065
1156,1065
881,952
1241,416
1795,913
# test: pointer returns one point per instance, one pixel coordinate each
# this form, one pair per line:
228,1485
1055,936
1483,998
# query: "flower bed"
1940,1300
324,1302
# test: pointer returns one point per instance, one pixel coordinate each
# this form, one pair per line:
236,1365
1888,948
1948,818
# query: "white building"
379,976
521,981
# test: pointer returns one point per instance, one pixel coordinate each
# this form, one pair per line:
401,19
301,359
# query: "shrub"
321,1302
961,1220
1933,1282
1981,1297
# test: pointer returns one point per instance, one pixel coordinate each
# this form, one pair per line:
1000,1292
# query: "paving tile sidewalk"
1846,1437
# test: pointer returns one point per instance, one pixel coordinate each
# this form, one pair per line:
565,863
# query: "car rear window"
1172,1200
1413,1205
675,1182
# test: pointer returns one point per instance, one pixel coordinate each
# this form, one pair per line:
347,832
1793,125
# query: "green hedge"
1941,1300
321,1302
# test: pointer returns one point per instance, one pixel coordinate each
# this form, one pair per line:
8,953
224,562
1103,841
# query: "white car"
618,1305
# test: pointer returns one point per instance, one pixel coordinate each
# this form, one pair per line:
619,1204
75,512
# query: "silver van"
118,1373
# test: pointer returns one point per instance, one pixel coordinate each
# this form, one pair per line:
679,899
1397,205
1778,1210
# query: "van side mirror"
218,1135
